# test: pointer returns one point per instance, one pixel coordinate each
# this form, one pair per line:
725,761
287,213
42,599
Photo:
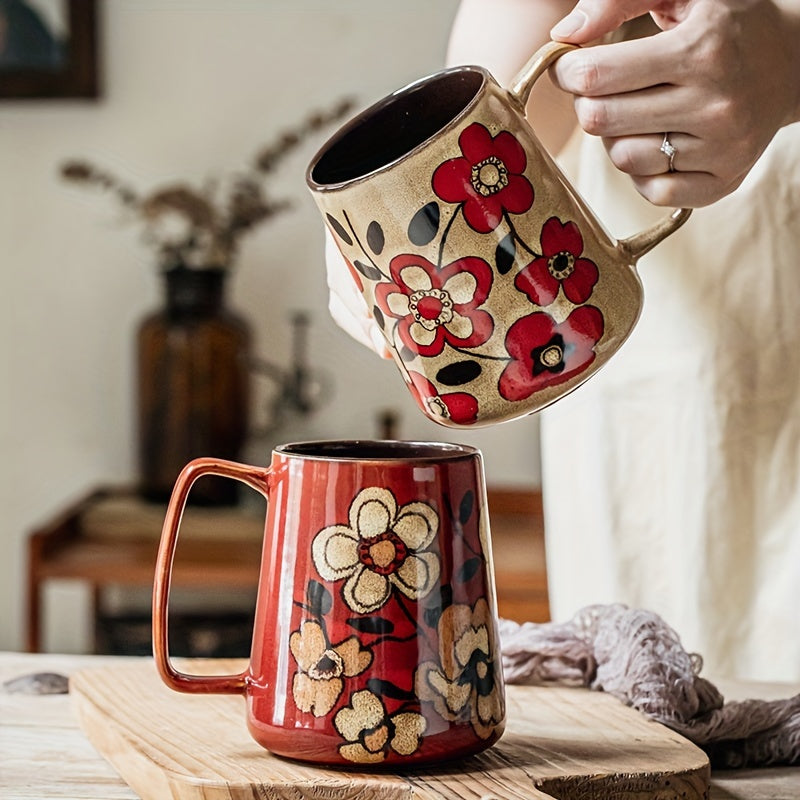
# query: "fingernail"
570,25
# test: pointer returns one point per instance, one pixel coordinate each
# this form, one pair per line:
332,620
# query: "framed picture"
48,48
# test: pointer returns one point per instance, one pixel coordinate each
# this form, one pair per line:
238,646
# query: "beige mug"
496,287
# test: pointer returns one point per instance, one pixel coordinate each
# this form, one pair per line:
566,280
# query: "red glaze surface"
375,636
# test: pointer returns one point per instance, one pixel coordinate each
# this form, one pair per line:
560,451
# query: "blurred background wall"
190,91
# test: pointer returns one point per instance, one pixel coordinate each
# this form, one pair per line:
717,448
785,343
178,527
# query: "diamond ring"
669,150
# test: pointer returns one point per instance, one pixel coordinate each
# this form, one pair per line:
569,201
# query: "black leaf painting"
459,373
319,598
433,611
406,354
377,625
384,688
424,224
505,254
468,569
465,509
375,238
339,228
367,270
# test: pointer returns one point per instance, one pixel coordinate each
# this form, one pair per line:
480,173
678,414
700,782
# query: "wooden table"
44,754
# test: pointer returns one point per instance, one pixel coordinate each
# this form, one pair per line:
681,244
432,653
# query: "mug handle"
634,247
256,478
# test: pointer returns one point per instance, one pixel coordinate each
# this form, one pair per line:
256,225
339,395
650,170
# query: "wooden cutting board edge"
158,781
154,775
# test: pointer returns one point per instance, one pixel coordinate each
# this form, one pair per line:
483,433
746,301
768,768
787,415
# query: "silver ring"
669,150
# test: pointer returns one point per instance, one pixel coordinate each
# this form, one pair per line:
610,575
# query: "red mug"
375,636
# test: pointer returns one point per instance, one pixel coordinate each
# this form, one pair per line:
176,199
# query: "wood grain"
566,743
42,752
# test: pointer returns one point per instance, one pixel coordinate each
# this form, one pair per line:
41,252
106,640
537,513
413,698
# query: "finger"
655,110
622,67
642,155
591,19
684,189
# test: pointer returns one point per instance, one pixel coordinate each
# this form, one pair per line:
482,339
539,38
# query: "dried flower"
202,227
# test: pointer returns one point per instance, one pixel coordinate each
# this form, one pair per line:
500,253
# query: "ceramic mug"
375,635
496,287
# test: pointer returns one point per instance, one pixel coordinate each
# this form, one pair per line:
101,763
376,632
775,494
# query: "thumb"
591,19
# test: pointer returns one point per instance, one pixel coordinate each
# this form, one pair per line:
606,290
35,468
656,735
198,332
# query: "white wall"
191,90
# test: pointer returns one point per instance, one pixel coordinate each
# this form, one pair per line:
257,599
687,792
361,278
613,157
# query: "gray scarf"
635,656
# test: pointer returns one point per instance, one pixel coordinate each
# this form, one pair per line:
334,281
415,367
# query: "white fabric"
672,478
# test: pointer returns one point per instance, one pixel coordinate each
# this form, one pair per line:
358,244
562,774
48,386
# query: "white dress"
671,479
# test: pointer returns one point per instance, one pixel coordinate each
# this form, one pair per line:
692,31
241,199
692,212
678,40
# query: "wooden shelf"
110,538
517,526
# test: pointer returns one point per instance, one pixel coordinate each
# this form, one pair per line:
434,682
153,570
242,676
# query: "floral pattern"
477,305
383,547
385,681
370,733
559,265
462,684
545,353
436,306
487,178
322,667
461,407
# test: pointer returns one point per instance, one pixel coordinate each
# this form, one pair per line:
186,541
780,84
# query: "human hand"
721,77
345,303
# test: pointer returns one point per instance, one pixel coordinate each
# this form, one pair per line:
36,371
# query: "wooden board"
572,744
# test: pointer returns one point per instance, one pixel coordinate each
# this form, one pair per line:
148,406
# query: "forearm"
790,12
501,35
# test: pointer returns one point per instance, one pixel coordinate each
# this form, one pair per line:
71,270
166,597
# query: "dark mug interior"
376,450
395,126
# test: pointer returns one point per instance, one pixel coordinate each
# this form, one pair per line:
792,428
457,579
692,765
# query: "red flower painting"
559,265
546,353
437,306
487,178
460,407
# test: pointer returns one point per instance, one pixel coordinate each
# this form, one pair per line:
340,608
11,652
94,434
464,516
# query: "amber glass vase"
193,385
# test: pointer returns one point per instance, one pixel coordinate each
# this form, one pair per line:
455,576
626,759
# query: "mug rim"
375,108
375,451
